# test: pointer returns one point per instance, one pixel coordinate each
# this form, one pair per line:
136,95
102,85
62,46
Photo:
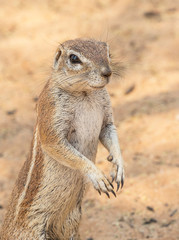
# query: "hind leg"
71,224
66,229
76,237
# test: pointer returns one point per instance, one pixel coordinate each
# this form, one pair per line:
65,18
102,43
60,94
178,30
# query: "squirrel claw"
113,193
112,180
107,194
99,191
118,185
122,182
111,183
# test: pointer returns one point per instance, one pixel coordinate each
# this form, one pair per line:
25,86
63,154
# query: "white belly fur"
86,127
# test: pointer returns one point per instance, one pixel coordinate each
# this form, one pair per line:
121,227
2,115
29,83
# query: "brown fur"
73,113
33,185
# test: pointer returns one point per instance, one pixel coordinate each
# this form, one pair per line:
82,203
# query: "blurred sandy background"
143,34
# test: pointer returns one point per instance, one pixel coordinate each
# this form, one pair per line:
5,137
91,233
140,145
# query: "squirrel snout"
106,72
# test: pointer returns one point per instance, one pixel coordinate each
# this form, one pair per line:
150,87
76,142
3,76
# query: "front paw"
100,182
117,172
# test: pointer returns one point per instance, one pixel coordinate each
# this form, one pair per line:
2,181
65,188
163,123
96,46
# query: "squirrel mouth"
98,87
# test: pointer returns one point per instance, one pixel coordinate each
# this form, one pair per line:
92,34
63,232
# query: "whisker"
68,81
84,85
118,68
72,79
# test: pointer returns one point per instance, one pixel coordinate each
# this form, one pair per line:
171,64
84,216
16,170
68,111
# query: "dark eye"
74,59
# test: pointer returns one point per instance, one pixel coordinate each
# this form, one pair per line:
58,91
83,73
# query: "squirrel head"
82,65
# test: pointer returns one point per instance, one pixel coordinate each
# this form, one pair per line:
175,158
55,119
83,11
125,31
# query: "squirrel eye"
74,59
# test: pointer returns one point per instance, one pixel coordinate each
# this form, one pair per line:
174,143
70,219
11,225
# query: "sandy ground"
143,35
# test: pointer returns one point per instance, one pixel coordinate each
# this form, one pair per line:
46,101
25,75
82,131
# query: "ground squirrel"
73,114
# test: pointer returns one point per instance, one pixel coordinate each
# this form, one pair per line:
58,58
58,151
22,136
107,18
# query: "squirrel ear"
56,59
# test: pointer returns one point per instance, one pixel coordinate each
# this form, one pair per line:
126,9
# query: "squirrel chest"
86,126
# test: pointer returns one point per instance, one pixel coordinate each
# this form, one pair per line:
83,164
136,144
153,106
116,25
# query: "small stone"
168,224
121,219
35,99
152,14
129,89
149,221
11,112
150,208
173,212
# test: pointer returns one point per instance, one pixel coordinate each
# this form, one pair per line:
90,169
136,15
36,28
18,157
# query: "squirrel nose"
106,72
